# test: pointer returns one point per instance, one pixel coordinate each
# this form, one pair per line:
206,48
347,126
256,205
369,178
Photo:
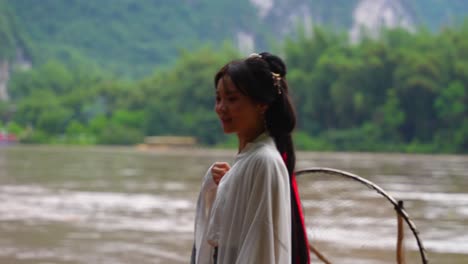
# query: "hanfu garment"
248,215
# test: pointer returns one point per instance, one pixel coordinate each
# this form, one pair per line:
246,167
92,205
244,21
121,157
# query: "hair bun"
275,63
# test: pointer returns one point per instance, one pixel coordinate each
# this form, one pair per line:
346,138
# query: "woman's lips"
225,120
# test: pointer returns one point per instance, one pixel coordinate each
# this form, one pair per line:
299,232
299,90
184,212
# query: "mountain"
13,42
131,38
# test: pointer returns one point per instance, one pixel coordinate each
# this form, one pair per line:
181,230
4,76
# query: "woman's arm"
204,205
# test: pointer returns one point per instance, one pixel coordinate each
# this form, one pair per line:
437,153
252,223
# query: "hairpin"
255,55
276,81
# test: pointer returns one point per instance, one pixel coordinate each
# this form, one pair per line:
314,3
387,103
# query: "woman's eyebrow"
231,91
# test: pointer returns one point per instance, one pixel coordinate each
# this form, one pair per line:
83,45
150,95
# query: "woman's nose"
220,106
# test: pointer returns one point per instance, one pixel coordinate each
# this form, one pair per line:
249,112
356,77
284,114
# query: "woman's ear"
262,108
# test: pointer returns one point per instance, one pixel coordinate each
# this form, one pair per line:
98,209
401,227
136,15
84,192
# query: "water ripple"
104,210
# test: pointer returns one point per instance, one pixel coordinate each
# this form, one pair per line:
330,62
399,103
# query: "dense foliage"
132,37
436,14
127,37
400,92
11,37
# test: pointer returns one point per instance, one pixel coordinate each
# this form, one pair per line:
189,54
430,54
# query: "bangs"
248,80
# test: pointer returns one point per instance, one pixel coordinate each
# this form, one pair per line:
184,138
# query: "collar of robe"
263,138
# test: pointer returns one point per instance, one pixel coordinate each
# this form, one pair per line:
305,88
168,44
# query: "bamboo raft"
167,142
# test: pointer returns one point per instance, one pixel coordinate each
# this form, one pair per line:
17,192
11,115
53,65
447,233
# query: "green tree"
182,98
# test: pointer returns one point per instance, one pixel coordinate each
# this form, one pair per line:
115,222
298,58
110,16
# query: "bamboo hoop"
400,210
400,237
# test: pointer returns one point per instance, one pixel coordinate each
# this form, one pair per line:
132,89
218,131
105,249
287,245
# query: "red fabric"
298,205
299,208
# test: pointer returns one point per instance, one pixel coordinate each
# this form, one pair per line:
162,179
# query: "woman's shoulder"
267,161
266,154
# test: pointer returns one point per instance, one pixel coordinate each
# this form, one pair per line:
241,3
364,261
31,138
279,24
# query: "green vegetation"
11,37
127,37
131,38
122,81
401,92
437,14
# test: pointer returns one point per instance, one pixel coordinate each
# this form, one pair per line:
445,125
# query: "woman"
250,212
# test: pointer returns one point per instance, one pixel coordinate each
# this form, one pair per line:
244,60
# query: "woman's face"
238,113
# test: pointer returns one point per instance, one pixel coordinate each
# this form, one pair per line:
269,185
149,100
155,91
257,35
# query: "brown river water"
123,205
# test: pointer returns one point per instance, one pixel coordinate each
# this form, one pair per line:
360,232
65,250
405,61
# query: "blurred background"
93,94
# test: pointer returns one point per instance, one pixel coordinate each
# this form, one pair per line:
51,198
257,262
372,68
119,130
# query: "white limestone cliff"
370,16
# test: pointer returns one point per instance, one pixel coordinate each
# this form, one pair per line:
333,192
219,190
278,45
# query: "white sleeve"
256,220
204,204
268,238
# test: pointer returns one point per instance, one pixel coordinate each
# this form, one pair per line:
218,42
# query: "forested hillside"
112,72
12,35
132,37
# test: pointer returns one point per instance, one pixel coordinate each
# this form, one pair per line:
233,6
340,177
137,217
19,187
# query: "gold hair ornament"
277,81
276,76
255,55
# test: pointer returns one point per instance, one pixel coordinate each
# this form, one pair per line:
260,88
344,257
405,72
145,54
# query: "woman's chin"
228,130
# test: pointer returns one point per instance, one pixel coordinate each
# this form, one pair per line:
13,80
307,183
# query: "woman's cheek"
236,107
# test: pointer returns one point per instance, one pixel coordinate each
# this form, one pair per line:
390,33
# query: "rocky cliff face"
368,16
20,63
285,15
4,76
280,16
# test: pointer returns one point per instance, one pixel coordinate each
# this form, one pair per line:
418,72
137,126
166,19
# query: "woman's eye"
232,99
218,99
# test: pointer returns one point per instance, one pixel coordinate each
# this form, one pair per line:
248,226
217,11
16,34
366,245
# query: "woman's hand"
218,170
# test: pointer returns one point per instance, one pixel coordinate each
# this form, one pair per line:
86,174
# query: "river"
122,205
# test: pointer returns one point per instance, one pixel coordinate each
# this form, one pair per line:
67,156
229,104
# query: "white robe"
248,216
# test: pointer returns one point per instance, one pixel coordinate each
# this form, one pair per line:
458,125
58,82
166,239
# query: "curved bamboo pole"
400,237
373,186
319,255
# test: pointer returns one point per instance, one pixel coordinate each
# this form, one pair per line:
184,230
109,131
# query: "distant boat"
7,138
165,142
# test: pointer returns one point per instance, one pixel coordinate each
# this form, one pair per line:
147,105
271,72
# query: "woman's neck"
245,138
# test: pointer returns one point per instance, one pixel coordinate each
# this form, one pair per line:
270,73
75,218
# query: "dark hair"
262,77
253,77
